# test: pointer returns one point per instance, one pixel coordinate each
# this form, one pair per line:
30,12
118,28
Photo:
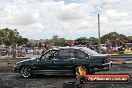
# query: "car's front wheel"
25,71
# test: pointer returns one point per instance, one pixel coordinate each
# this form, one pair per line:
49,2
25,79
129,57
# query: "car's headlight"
15,65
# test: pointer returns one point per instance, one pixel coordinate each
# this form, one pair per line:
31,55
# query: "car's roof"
70,48
85,49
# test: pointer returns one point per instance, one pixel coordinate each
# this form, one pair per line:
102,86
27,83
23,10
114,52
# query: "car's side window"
49,55
79,54
65,54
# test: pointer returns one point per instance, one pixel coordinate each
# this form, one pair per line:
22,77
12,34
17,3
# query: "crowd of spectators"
24,49
37,49
109,47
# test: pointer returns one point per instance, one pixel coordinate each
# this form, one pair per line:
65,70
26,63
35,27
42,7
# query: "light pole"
99,32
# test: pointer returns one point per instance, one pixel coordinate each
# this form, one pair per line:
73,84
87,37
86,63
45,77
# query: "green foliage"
9,37
21,41
56,41
84,39
55,37
113,36
129,37
59,42
93,39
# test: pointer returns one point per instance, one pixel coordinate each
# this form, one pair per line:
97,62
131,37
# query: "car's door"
81,57
66,60
46,63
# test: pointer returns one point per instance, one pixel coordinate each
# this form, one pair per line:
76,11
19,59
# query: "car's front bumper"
108,64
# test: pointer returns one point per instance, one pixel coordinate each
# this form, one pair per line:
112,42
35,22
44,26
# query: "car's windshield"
89,51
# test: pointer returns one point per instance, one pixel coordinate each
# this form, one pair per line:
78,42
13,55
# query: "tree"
93,39
111,36
59,42
22,41
56,41
129,38
9,37
122,37
115,38
55,37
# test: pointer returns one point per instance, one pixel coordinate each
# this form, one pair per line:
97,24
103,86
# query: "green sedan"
64,61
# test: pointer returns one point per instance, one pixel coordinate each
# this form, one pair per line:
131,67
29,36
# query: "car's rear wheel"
25,71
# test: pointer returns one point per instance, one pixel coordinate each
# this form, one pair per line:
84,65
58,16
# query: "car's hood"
27,60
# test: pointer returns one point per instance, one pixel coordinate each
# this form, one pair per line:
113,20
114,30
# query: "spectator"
46,46
108,45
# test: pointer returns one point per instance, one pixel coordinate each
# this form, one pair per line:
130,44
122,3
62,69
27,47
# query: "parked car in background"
128,51
64,61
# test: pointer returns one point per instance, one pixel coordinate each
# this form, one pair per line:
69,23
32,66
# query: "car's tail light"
107,59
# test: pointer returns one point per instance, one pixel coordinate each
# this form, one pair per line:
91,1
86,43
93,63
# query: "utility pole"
99,32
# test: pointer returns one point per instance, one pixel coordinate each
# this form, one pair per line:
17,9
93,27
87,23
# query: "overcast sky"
41,19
